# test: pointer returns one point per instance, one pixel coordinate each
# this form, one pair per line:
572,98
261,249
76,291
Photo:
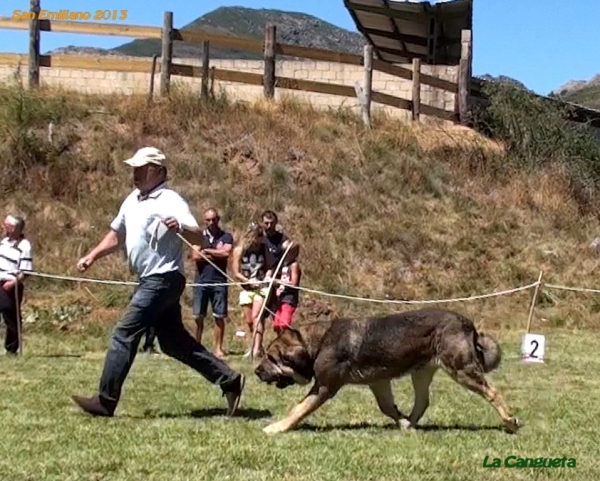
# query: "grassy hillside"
588,96
404,211
292,28
582,92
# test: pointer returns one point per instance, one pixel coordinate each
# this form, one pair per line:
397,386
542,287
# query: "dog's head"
287,361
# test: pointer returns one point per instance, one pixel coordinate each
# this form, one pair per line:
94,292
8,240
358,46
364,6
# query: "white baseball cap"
147,155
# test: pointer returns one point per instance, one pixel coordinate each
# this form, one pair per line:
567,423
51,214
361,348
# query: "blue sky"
542,43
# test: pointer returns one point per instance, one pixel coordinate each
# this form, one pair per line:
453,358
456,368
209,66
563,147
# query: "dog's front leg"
317,396
382,390
421,380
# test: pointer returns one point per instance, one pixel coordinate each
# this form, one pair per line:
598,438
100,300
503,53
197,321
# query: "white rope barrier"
314,291
330,294
80,279
567,288
117,283
429,301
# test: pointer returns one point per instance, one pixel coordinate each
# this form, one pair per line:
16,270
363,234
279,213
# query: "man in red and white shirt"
15,261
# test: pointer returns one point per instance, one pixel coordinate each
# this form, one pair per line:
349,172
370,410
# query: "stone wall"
330,72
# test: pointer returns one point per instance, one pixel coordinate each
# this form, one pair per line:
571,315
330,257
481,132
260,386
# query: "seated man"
15,261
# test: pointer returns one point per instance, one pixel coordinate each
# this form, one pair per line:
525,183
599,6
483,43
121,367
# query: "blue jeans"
149,342
155,304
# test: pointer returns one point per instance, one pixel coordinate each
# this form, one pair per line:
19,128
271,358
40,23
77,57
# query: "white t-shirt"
15,255
137,219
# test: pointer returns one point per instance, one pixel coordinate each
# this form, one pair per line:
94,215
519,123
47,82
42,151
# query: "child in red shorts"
287,297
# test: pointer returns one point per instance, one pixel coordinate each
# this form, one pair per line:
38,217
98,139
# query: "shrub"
536,133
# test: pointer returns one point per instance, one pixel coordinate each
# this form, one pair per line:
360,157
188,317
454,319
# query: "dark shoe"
234,395
94,406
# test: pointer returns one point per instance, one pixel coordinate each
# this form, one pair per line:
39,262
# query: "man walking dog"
146,224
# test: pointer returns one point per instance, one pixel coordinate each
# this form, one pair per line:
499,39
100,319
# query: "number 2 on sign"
110,15
535,348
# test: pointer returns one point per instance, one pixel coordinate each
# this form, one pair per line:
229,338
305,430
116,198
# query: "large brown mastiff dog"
373,351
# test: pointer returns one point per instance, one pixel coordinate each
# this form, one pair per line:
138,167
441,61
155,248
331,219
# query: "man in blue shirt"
216,246
146,224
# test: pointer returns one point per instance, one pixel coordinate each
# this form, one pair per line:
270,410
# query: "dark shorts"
216,296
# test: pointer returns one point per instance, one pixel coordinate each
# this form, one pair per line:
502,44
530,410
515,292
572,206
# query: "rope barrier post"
533,301
263,307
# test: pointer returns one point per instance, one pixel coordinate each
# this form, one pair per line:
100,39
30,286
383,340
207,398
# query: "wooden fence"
270,50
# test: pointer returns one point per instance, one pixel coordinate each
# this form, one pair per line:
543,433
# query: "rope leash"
267,298
233,282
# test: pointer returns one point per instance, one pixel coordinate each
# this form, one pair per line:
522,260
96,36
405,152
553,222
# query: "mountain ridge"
582,92
293,28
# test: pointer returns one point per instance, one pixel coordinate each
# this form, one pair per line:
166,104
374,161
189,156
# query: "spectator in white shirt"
15,261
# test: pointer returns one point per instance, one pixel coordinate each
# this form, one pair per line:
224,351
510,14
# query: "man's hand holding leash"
191,235
173,224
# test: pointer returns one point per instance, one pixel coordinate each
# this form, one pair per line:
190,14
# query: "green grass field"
170,423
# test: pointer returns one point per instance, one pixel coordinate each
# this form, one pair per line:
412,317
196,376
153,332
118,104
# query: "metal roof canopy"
401,30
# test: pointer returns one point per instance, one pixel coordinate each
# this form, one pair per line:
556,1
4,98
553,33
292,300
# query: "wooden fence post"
364,93
167,54
205,70
34,45
464,77
416,89
269,75
368,86
212,82
152,74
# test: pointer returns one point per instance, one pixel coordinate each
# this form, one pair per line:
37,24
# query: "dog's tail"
488,351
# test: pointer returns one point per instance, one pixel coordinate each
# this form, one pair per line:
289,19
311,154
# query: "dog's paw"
274,428
513,425
406,425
